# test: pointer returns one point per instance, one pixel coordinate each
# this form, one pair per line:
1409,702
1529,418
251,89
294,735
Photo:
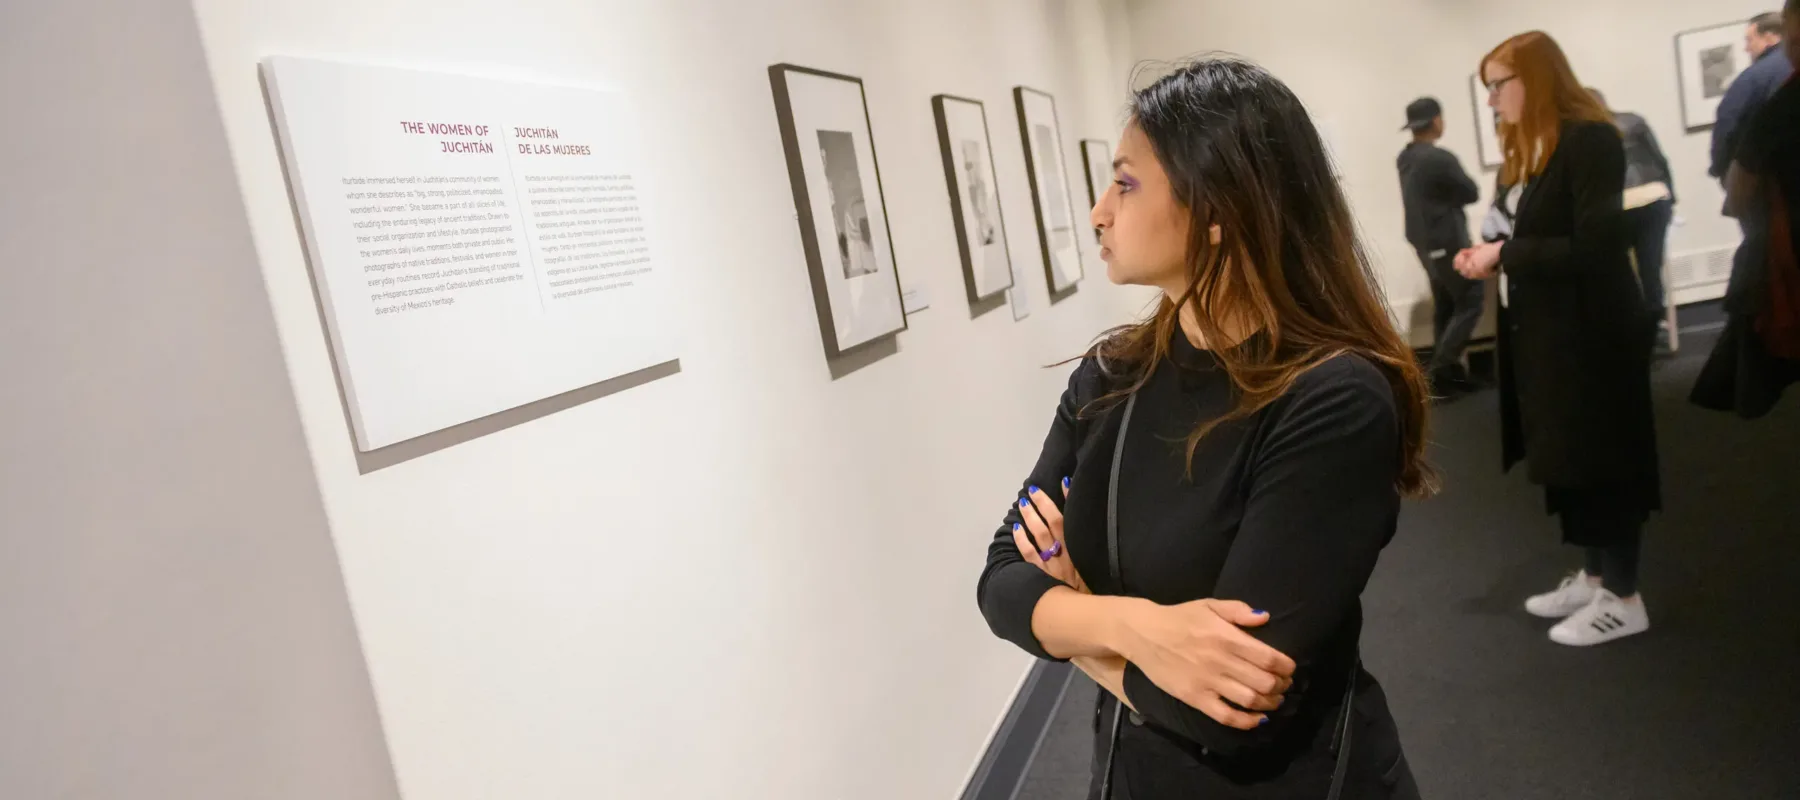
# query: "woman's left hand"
1040,537
1480,262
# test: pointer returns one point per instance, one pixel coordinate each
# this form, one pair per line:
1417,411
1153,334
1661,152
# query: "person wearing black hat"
1434,189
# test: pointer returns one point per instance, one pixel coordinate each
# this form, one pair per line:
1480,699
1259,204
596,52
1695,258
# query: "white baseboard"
1697,294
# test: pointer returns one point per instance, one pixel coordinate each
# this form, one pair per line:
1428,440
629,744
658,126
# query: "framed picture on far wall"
974,195
830,147
1096,160
1487,126
1050,195
1707,60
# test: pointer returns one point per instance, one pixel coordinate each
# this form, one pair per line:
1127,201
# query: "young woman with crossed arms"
1278,419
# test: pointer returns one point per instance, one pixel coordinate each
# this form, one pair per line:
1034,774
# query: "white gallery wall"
1357,65
747,580
172,617
750,579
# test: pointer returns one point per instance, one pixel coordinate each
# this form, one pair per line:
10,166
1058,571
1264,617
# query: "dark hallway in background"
1704,705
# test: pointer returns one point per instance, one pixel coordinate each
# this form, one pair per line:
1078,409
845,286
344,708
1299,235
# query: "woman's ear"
1217,234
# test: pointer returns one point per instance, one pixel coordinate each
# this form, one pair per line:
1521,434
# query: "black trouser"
1650,238
1616,566
1456,311
1615,563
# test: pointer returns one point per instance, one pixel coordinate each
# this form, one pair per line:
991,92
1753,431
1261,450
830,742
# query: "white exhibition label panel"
478,244
850,217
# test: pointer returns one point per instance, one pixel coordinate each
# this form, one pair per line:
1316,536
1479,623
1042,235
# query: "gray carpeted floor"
1705,705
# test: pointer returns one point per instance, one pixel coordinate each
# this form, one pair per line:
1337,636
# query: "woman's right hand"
1199,653
1480,262
1040,537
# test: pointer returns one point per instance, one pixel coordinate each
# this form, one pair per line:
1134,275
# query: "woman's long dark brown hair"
1242,153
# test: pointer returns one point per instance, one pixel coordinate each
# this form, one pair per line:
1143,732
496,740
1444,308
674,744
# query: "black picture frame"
945,146
1038,192
1681,70
797,179
1092,149
1485,126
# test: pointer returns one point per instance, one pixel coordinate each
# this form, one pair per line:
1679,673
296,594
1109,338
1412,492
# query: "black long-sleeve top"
1645,162
1434,189
1286,510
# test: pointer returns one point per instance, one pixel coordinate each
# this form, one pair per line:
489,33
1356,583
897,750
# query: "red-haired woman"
1574,336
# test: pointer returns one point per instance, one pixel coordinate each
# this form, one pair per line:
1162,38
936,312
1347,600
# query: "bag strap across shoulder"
1112,564
1112,492
1342,751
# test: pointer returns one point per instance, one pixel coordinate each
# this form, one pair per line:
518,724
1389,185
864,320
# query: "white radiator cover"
1700,267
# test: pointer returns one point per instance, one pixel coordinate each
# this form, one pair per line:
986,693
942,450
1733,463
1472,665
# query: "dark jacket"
1747,93
1434,189
1575,338
1644,159
1742,375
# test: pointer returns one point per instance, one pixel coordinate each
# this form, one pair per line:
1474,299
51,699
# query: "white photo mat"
968,154
1050,197
1707,60
838,196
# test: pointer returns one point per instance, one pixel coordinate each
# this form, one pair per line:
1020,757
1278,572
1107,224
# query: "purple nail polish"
1025,502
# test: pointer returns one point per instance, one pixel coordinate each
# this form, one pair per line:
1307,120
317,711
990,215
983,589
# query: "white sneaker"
1574,594
1602,621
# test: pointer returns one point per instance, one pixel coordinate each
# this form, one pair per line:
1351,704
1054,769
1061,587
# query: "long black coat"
1575,336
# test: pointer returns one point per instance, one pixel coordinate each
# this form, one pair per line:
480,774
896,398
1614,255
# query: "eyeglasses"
1494,88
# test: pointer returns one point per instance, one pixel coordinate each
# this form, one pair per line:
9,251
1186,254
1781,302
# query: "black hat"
1421,113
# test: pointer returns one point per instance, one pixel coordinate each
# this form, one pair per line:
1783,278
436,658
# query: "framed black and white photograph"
1487,126
1042,137
1096,160
1707,60
974,195
830,146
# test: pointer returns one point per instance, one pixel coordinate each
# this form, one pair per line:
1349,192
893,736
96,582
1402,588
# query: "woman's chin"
1116,275
1123,275
1119,274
